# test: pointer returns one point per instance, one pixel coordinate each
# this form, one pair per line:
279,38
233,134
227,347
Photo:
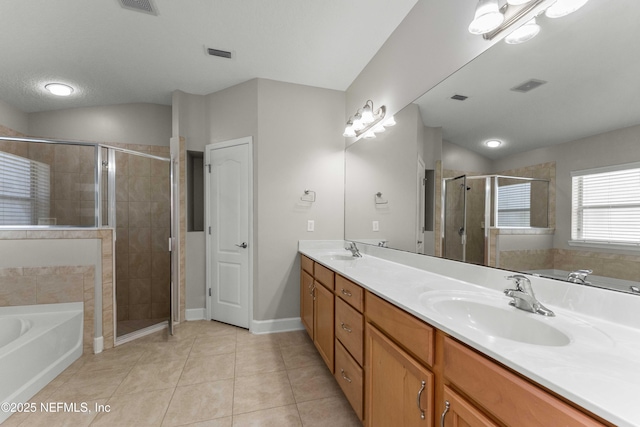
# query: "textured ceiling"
113,55
590,62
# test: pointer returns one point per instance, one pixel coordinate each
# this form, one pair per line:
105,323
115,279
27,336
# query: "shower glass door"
455,218
142,218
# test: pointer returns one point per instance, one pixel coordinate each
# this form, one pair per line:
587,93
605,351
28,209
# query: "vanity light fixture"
523,33
493,143
564,7
513,12
59,89
367,121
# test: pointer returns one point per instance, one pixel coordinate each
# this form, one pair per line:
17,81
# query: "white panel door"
229,240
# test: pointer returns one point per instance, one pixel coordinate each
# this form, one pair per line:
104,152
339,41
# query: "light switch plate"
376,226
311,225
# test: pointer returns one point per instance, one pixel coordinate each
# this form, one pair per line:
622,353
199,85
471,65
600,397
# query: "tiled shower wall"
143,208
72,178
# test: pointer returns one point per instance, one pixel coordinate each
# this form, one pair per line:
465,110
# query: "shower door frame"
111,201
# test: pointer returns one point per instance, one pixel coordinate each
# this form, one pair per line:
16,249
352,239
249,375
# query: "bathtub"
37,342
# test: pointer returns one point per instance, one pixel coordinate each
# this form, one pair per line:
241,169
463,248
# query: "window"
605,205
514,205
24,190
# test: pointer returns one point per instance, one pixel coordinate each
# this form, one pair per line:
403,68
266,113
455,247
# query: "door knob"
243,245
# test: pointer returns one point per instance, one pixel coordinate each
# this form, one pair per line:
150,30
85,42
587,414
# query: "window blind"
24,190
514,205
605,206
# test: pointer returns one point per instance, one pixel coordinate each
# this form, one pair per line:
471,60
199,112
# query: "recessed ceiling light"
59,89
494,143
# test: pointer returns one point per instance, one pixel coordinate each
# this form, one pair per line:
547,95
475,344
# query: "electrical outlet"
311,225
376,226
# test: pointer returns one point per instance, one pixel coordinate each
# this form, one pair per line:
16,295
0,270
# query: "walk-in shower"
61,184
473,205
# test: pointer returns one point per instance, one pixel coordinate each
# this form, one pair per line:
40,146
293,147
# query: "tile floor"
207,375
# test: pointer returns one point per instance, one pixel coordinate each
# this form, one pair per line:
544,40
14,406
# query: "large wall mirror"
563,105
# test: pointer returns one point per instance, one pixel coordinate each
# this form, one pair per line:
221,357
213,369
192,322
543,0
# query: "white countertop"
599,369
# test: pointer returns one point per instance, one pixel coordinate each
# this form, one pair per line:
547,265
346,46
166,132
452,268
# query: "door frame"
248,140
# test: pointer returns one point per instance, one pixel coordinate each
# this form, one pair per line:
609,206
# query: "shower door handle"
461,231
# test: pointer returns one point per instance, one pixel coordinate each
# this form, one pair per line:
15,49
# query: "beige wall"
298,144
147,124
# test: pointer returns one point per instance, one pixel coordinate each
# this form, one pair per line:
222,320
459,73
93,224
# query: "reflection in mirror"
585,115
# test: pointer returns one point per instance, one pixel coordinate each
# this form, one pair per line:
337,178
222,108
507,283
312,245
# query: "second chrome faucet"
523,296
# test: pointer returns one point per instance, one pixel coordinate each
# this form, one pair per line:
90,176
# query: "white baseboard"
276,325
98,345
195,314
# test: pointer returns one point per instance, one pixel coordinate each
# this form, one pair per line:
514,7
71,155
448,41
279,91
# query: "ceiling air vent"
459,97
145,6
528,85
220,53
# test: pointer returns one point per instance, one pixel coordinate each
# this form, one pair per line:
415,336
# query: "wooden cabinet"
323,335
317,306
395,369
460,413
306,301
509,398
398,389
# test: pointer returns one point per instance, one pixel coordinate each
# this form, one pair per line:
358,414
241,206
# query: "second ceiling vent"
145,6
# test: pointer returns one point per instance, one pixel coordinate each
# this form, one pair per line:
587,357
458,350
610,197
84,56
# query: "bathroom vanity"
413,348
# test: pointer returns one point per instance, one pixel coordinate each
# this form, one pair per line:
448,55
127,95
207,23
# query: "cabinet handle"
345,327
344,377
447,405
418,400
347,293
312,293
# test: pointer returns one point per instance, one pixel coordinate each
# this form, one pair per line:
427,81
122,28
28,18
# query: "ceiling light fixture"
513,13
367,121
493,143
59,89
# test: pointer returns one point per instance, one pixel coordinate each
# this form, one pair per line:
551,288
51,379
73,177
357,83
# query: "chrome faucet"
354,250
523,296
579,276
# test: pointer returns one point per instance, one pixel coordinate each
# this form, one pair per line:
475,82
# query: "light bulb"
389,122
59,89
357,122
564,7
487,18
524,33
348,131
367,114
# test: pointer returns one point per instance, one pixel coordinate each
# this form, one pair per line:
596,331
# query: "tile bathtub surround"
26,294
51,285
208,374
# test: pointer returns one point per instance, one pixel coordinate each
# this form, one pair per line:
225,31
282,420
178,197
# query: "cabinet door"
323,332
398,390
460,413
306,301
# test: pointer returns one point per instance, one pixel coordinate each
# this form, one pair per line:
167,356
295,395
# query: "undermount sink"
492,316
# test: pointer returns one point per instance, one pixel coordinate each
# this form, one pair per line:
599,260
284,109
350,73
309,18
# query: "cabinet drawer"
349,329
349,376
306,264
408,331
509,398
323,275
350,292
